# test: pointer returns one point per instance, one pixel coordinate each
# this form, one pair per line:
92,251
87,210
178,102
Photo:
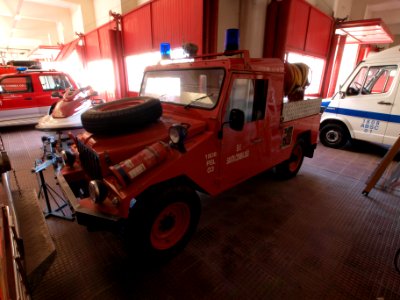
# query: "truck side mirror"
236,119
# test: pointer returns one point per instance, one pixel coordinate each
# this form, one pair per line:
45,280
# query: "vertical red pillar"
333,66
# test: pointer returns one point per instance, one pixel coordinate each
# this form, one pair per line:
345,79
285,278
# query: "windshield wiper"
197,99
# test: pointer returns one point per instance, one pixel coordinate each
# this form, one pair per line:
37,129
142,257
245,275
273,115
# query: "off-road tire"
334,136
289,168
162,222
121,116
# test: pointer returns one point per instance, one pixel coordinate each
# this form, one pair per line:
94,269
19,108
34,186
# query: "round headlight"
174,134
177,133
98,191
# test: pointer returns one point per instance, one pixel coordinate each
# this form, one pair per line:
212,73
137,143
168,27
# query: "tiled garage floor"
313,237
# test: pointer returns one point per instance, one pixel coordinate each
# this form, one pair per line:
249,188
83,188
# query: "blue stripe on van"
364,114
325,103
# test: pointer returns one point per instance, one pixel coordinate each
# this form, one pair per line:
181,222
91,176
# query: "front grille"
89,160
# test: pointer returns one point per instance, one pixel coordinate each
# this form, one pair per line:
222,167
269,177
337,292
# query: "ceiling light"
17,17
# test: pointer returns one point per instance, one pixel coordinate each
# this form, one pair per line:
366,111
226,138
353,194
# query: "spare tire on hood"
121,116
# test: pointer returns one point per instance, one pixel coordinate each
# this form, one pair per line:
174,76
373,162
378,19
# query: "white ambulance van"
367,105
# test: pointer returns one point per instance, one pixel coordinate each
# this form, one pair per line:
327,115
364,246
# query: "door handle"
256,140
28,98
384,103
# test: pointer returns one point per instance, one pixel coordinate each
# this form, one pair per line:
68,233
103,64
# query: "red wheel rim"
119,105
170,226
295,159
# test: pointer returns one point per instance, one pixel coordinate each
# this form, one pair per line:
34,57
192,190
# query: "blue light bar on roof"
21,69
165,49
232,39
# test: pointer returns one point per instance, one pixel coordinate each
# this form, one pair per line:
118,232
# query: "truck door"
243,152
368,100
16,98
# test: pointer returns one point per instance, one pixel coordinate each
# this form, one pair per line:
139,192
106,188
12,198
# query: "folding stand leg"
46,190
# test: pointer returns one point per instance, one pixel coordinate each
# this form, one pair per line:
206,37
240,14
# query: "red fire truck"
197,126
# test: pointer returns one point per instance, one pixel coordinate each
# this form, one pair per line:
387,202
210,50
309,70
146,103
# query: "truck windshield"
188,87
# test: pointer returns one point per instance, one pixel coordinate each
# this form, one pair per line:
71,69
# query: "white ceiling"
27,24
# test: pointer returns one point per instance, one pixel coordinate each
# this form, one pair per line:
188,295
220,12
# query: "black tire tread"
343,131
143,214
282,170
120,120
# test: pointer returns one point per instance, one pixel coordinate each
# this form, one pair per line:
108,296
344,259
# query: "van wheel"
334,136
289,168
162,223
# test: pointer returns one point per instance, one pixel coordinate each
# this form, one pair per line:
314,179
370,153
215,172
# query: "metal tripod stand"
49,192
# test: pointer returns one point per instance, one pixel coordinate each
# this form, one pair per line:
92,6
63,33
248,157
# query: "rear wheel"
334,136
161,223
291,167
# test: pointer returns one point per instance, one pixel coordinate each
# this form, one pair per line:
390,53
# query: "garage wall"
102,8
226,21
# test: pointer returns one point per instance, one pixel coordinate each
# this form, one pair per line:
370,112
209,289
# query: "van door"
393,128
17,102
243,152
367,101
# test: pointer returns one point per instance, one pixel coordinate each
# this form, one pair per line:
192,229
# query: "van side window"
54,82
379,79
373,80
20,84
357,83
249,95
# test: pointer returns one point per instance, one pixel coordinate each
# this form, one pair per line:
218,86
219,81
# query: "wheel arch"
309,147
340,122
182,180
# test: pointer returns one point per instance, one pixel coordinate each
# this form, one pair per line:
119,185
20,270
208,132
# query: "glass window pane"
20,84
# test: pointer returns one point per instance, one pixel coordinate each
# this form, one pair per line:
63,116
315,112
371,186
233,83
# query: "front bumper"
85,210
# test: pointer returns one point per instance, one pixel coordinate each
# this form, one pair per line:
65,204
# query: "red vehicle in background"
8,69
26,96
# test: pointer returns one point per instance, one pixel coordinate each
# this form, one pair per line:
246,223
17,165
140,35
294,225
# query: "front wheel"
162,223
334,136
289,168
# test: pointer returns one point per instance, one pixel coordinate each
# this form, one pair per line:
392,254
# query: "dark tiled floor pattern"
313,237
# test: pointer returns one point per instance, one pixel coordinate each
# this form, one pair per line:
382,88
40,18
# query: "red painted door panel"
177,22
92,46
137,34
297,25
319,33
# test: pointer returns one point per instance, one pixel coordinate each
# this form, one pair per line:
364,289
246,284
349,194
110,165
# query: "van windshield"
188,87
372,80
